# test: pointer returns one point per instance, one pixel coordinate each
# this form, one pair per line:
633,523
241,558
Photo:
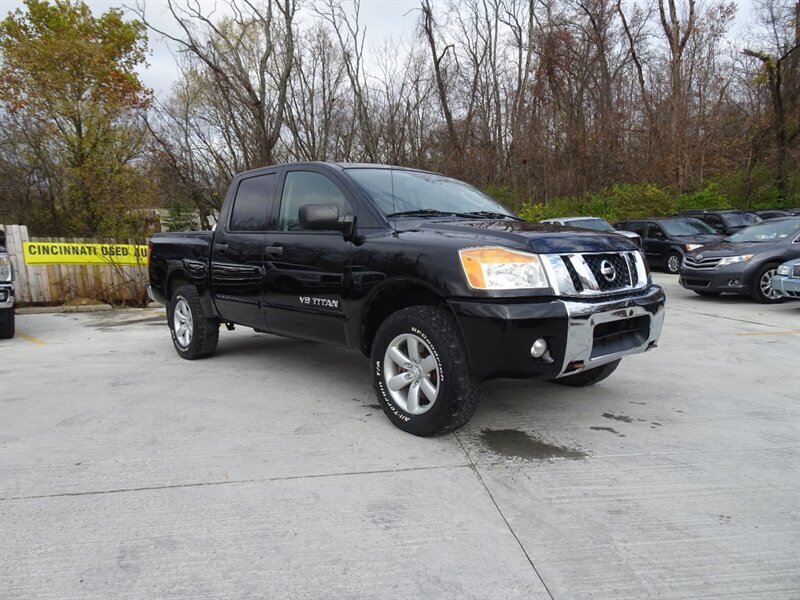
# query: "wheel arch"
391,296
183,274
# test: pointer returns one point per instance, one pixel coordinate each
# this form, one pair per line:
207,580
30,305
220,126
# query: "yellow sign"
75,253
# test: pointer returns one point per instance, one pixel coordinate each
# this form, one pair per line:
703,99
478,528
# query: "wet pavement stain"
623,418
609,429
105,324
513,443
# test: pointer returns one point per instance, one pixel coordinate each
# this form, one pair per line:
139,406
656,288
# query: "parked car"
777,213
787,279
6,291
595,223
665,240
725,221
433,280
744,263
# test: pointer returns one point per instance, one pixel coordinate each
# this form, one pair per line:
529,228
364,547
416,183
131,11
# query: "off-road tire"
668,260
459,389
7,325
205,331
589,377
757,294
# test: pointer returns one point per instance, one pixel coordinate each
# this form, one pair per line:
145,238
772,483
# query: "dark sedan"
745,262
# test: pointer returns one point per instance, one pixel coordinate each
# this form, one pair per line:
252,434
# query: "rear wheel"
762,285
589,377
7,324
193,334
420,372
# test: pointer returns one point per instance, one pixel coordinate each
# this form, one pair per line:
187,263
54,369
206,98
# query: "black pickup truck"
434,281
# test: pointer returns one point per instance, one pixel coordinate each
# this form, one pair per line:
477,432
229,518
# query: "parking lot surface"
269,471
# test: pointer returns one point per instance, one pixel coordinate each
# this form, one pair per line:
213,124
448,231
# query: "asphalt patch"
608,429
623,418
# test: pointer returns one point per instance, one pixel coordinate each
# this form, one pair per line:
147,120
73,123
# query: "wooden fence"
57,284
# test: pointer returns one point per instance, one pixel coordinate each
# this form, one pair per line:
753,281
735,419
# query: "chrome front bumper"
583,350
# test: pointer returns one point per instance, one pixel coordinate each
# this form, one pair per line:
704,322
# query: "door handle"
273,250
221,248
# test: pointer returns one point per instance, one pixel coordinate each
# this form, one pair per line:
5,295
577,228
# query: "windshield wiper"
423,212
489,214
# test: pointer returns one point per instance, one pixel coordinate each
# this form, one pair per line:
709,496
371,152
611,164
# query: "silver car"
595,223
786,281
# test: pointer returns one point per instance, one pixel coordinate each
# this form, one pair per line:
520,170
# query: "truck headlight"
5,268
732,260
784,270
497,268
690,247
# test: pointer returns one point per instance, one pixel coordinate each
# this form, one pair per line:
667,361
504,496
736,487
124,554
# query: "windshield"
767,231
400,193
594,223
736,219
679,227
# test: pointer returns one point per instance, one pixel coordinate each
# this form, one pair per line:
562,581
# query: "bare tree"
781,67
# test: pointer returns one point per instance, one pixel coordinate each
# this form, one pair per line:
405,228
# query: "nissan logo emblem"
608,271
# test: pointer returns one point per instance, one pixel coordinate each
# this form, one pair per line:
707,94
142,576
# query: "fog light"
733,282
539,348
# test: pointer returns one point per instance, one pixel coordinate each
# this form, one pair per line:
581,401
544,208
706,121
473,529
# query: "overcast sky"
382,18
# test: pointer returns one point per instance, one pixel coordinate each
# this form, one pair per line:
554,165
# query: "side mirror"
324,217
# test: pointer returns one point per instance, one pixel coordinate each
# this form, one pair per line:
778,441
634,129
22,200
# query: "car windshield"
737,219
679,227
767,231
399,193
593,223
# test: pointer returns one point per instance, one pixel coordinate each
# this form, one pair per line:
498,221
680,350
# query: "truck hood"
541,238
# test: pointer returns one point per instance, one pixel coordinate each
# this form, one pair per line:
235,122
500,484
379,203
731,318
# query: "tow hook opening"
575,365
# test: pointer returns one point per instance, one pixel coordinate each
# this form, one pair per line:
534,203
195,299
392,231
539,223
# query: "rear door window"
252,206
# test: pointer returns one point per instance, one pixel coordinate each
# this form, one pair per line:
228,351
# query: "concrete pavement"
268,471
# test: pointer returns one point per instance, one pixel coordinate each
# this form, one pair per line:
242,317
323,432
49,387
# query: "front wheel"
590,376
673,263
762,285
420,372
7,324
193,334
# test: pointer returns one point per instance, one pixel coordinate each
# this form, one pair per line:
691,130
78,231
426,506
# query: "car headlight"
498,268
5,268
732,260
784,270
690,247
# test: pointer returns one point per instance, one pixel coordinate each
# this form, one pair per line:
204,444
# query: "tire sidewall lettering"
432,346
386,398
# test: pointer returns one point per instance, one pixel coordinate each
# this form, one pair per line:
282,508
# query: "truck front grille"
588,274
